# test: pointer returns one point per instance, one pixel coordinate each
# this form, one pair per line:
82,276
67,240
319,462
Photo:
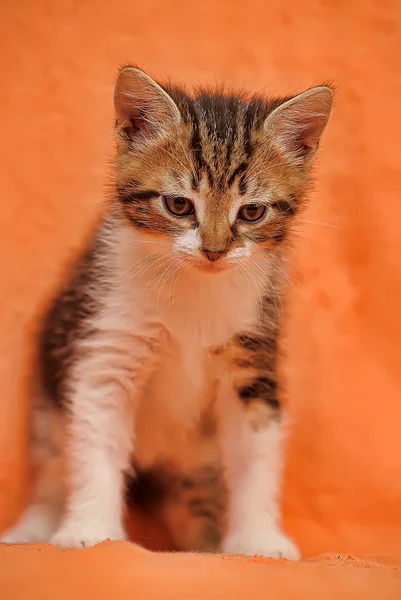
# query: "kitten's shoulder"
73,308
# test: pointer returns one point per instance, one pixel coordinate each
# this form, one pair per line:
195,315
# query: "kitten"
161,350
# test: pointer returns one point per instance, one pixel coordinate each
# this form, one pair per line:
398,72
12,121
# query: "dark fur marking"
253,344
209,174
130,195
142,219
145,195
195,182
242,185
219,113
203,507
262,388
260,355
251,117
229,148
188,484
243,364
196,145
237,171
286,207
146,490
66,322
279,236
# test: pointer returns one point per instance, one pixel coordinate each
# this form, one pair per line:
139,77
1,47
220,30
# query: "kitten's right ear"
143,109
298,124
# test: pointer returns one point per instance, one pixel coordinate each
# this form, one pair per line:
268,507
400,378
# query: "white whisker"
275,295
322,223
175,158
292,264
166,262
256,289
136,264
144,268
186,263
169,271
283,274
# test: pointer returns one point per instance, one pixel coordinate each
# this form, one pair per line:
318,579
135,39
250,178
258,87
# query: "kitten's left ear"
298,124
143,109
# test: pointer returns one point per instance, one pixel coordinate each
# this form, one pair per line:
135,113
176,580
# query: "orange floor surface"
342,491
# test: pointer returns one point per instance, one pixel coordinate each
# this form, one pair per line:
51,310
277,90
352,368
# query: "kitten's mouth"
213,267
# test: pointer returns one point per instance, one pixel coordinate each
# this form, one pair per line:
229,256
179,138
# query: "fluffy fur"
161,350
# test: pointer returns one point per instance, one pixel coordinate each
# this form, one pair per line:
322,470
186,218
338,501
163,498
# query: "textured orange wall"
57,64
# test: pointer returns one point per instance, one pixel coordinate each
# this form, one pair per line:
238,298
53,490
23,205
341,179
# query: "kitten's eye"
252,212
179,207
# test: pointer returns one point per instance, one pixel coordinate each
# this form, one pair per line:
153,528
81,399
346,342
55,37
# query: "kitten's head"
218,178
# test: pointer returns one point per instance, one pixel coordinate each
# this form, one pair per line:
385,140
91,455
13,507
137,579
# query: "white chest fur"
206,311
197,311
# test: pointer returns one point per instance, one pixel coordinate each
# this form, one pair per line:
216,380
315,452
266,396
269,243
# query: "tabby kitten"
161,350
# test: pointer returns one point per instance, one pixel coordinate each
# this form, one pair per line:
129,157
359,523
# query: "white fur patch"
189,243
253,462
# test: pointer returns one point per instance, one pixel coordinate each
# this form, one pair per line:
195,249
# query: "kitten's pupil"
251,210
179,204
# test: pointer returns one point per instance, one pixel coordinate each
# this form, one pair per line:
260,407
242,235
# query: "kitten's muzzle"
213,255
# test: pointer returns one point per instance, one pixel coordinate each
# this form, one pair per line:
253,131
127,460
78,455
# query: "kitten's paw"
10,537
36,525
271,543
84,535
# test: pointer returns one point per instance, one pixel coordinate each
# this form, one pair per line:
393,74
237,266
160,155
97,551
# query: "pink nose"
212,256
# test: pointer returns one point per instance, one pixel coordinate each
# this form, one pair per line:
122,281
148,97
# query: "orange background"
58,60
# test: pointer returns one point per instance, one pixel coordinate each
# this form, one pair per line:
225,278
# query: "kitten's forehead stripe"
235,174
251,116
195,182
196,145
243,185
221,132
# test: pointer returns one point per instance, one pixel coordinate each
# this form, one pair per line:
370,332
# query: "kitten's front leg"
251,444
101,411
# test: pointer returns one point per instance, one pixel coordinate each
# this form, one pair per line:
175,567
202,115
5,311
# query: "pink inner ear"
139,123
298,124
143,109
303,134
135,121
308,133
